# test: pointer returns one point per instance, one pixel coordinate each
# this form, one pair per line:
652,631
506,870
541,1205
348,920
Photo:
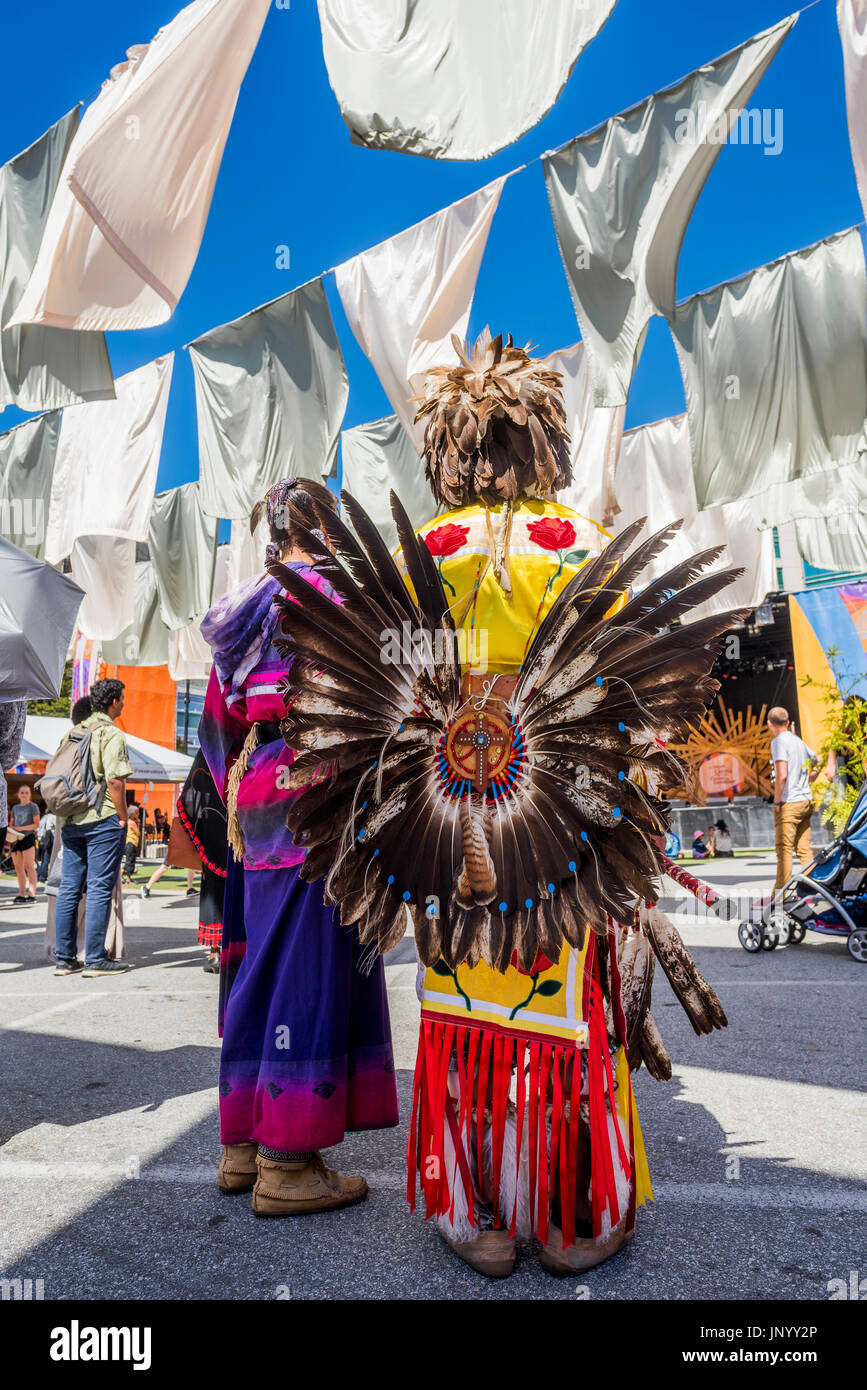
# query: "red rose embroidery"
552,533
539,966
446,540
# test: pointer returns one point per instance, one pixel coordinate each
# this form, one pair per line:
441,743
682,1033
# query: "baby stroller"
829,896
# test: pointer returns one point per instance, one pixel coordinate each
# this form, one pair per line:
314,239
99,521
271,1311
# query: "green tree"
59,708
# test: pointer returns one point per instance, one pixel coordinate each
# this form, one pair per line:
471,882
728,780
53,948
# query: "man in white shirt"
796,767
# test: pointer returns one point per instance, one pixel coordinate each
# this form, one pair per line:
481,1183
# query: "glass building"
191,702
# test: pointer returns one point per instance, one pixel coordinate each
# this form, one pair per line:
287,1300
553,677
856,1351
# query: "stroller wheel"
778,926
797,932
857,944
750,936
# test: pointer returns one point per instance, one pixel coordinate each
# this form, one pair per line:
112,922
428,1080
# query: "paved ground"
109,1142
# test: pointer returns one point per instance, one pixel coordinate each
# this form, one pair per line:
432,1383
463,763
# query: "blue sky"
291,177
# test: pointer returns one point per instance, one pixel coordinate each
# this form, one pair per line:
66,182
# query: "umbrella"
38,609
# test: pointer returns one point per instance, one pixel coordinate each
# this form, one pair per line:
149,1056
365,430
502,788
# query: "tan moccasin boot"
237,1171
298,1188
491,1253
582,1254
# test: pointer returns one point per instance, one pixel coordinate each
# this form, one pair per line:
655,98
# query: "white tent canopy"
151,762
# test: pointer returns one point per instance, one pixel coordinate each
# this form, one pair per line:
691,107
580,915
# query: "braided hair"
287,506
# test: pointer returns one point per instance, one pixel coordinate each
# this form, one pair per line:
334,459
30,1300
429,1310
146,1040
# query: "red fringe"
489,1055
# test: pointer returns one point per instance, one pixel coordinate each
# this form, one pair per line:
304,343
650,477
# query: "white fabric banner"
246,556
451,79
596,434
852,23
128,217
104,567
775,373
271,392
379,458
146,641
41,367
107,459
622,196
405,297
654,479
190,657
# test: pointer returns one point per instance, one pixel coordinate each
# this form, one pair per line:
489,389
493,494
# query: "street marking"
22,931
44,1013
770,1196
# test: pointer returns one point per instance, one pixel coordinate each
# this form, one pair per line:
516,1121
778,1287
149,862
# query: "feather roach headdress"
496,426
502,827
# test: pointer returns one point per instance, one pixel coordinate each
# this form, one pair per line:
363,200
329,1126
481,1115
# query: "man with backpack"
85,783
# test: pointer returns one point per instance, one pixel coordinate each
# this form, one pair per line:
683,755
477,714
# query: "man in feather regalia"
481,727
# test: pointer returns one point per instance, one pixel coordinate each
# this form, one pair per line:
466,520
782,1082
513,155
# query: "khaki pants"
792,833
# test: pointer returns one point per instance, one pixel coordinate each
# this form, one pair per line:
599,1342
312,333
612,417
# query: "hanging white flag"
104,567
128,217
380,458
622,196
655,479
405,297
852,23
190,657
596,433
774,368
105,470
451,79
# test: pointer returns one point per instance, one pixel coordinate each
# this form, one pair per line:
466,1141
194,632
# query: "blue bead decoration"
406,896
620,776
504,907
616,812
584,835
375,852
391,878
598,680
551,888
572,866
528,902
361,833
622,727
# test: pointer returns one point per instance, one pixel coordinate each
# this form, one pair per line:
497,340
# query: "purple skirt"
306,1035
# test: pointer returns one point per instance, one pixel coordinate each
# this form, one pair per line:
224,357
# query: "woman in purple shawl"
306,1037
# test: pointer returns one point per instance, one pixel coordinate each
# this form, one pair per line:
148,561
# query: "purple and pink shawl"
244,690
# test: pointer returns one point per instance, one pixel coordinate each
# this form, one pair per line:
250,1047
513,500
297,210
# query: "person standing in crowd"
25,819
45,841
306,1036
721,840
93,843
13,715
133,844
796,767
202,816
159,873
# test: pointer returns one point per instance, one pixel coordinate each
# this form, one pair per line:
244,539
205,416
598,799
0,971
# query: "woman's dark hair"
289,505
81,709
104,693
721,825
